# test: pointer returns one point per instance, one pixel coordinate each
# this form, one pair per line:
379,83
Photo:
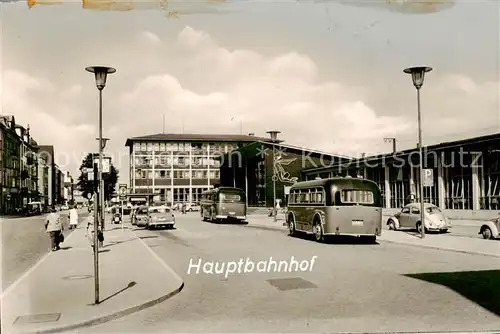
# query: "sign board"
428,177
106,164
287,190
122,191
90,176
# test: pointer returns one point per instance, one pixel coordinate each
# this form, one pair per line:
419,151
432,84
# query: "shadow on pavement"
149,237
480,286
104,250
66,248
130,285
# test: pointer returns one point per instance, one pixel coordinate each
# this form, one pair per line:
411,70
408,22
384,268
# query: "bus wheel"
318,232
291,226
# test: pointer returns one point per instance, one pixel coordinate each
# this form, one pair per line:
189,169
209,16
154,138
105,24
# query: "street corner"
61,293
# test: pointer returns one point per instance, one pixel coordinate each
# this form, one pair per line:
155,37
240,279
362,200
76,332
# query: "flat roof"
254,149
436,147
192,137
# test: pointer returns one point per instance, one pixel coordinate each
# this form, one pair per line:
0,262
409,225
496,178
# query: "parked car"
142,216
160,217
193,207
491,228
409,217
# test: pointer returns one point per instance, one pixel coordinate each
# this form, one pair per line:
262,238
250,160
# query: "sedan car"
491,229
161,217
141,216
409,217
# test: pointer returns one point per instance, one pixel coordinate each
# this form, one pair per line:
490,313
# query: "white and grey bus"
335,206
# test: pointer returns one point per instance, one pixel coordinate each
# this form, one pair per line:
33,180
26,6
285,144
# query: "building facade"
68,189
465,175
176,168
251,168
10,146
28,166
55,176
43,179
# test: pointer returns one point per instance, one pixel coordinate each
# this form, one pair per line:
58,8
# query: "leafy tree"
86,186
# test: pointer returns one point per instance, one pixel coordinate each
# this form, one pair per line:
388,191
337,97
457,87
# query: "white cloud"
219,89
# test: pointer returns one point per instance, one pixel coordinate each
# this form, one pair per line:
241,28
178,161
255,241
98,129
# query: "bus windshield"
231,197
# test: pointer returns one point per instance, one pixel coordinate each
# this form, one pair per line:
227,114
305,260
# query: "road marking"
30,271
156,256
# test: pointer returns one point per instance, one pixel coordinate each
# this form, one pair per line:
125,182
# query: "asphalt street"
467,231
351,287
24,242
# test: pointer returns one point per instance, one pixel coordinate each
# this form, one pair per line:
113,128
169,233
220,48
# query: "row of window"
178,174
183,147
167,161
307,196
317,196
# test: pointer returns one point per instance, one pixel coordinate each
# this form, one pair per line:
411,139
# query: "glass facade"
176,171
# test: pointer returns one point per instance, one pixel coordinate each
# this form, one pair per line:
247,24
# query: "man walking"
54,228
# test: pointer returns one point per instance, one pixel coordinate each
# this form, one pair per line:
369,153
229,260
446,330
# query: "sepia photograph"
250,166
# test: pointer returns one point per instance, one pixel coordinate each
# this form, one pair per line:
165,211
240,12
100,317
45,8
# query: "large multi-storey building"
10,146
68,188
55,177
28,166
177,168
43,179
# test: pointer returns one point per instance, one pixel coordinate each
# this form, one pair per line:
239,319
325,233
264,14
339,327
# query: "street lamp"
274,137
417,75
101,73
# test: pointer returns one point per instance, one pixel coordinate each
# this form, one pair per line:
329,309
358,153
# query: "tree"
86,186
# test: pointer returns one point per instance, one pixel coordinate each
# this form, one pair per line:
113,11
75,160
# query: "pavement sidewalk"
57,295
451,243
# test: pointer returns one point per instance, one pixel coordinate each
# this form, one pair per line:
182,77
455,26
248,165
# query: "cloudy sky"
327,75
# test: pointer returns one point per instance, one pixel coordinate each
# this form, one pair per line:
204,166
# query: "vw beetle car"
491,228
409,217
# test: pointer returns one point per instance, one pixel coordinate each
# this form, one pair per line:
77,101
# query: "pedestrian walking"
54,228
73,218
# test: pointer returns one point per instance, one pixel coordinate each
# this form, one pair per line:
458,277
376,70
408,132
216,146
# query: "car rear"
164,219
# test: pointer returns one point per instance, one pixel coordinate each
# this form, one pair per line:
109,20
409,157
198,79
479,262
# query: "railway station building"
463,175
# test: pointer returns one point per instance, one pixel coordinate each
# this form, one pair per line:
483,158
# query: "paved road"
354,287
24,242
467,231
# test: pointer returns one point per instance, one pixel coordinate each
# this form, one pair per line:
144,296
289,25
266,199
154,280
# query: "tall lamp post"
274,137
417,75
101,73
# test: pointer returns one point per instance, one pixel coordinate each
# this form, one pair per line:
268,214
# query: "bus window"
357,196
230,197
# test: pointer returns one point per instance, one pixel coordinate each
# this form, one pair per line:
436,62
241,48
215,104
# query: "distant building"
68,188
55,176
43,179
176,168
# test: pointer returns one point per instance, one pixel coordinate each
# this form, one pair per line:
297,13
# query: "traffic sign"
122,192
106,164
428,177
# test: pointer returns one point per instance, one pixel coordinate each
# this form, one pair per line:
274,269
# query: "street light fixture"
101,74
274,139
417,75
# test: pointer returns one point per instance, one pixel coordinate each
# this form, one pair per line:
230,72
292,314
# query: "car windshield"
432,210
159,210
142,211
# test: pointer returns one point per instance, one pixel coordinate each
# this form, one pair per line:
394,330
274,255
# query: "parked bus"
335,206
223,203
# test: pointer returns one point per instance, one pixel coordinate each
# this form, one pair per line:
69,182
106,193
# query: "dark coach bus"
335,206
223,203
